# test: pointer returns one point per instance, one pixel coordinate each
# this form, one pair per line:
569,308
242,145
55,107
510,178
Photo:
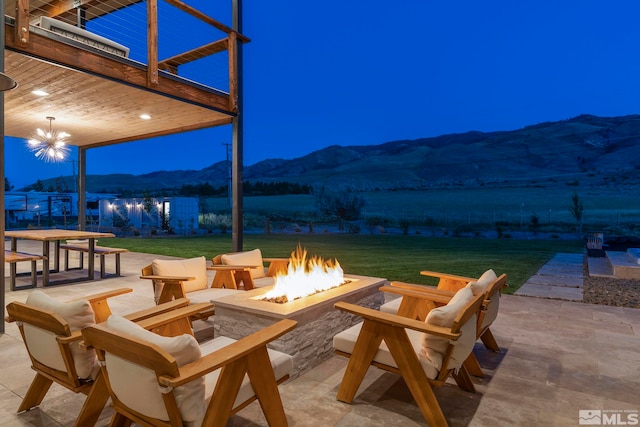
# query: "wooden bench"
13,257
98,250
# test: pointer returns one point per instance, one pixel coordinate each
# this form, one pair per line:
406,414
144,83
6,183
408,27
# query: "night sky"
369,72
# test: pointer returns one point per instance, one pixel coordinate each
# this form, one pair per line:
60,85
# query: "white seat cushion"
392,306
346,340
191,267
138,388
42,345
249,258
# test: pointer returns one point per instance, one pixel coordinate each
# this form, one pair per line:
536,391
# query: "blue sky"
360,73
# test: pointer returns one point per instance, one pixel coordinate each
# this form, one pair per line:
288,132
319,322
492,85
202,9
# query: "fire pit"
310,343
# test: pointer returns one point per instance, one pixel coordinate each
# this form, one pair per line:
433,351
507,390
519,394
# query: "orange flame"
306,276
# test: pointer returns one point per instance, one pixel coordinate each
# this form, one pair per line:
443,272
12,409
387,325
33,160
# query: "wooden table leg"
45,263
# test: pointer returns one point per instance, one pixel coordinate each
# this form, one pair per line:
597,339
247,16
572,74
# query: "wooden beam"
21,29
233,72
200,52
58,7
180,129
86,61
152,42
201,16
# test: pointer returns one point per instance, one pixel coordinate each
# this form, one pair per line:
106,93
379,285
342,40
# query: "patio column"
2,206
82,188
237,138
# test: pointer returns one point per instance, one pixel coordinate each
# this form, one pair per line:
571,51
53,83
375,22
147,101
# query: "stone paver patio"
558,357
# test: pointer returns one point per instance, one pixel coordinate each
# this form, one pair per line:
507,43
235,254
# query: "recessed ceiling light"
39,92
145,116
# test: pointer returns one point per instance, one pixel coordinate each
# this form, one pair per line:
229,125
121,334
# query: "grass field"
394,257
605,208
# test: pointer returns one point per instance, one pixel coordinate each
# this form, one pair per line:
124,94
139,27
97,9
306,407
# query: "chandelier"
49,145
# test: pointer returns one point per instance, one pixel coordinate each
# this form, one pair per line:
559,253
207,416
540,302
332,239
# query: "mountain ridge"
584,147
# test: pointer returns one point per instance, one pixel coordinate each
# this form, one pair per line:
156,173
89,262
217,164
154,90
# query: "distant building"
164,214
24,208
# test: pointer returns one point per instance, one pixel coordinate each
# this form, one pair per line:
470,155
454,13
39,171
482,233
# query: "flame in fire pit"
305,277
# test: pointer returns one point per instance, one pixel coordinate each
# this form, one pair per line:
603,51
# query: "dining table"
46,236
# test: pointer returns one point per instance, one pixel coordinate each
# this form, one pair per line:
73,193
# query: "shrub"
346,204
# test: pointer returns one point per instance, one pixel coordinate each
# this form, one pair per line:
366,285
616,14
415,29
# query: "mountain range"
584,148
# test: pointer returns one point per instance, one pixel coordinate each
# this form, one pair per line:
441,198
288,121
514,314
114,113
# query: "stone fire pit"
311,342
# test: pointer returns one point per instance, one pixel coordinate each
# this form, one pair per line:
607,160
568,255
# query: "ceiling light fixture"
145,116
39,92
49,145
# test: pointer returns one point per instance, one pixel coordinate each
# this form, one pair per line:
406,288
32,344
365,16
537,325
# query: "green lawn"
393,257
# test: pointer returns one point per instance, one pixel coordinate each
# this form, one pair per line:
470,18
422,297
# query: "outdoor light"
49,145
7,83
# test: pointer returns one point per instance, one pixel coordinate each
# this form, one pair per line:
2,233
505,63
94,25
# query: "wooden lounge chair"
155,381
417,308
246,268
183,278
424,353
50,330
448,284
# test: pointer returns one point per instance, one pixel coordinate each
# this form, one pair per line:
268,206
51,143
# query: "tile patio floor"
558,357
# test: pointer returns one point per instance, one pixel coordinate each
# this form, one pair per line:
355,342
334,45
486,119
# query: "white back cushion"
138,388
481,285
249,258
42,345
191,267
433,347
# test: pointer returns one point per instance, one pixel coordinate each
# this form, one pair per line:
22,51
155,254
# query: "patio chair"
183,278
424,353
158,381
50,330
246,268
488,284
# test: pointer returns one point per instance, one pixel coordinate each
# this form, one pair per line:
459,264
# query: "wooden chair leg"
37,390
489,341
473,366
464,380
119,420
95,403
224,279
411,370
265,387
363,353
227,387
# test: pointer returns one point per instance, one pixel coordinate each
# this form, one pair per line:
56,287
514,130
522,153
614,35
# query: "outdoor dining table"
46,236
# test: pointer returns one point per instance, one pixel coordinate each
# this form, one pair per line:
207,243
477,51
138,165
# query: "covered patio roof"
97,96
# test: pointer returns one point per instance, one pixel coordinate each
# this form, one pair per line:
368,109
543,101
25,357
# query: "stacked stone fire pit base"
311,342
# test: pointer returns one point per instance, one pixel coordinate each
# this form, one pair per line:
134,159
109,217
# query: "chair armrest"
157,310
433,295
168,317
229,354
427,289
225,267
395,320
447,276
73,337
169,278
104,295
